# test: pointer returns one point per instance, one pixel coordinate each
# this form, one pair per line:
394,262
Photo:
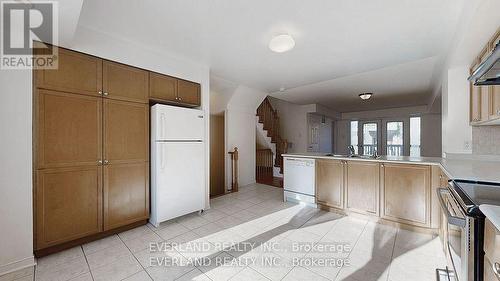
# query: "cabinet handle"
99,162
106,162
496,269
100,93
105,93
180,98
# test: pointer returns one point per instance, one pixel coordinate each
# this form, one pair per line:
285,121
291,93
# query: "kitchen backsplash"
486,140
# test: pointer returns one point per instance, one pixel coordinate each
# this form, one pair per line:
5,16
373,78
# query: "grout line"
133,255
88,265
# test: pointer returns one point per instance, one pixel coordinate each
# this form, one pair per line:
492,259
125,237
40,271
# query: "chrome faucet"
351,149
375,153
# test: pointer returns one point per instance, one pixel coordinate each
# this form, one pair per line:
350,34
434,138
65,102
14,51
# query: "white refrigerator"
177,162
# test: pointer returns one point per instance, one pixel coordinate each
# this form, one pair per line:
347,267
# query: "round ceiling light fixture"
282,43
365,96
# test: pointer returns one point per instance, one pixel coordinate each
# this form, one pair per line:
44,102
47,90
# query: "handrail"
234,169
268,116
264,163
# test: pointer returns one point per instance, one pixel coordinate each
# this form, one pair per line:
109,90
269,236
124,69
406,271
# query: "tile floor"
252,235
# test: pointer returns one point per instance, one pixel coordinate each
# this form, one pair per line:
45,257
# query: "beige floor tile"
410,240
301,274
272,266
118,270
208,229
84,277
248,274
192,221
59,258
142,242
101,244
213,215
413,267
135,233
194,275
107,256
172,230
172,271
139,276
222,267
64,270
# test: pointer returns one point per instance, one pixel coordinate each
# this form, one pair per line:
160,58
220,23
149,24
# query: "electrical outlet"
467,145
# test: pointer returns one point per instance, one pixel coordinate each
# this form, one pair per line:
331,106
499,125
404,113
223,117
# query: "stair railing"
234,169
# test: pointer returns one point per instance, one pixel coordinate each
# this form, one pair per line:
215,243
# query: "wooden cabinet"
330,183
362,186
485,100
188,92
124,82
68,129
91,150
76,73
126,139
126,193
491,250
173,90
406,193
68,204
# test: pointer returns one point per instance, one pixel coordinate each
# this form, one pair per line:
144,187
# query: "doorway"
217,182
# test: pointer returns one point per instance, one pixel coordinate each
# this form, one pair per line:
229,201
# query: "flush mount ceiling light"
282,43
365,96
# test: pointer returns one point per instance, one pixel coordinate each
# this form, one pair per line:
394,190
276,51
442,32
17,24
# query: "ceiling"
388,47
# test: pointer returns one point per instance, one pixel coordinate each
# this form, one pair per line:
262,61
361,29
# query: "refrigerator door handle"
162,125
162,157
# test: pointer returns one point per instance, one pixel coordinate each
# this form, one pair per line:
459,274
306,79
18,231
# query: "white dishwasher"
299,180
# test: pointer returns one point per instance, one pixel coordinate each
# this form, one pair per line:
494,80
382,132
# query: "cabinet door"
124,82
494,102
76,73
475,103
162,87
406,193
330,183
126,131
126,194
126,174
68,129
68,204
363,186
188,92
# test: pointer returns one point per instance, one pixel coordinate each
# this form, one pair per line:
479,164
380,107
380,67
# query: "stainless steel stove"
460,202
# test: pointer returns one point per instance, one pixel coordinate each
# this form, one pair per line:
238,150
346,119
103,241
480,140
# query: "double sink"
353,156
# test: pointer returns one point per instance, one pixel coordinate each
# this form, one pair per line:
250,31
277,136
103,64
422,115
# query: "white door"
177,123
180,179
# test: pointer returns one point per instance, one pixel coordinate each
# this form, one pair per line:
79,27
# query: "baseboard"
17,265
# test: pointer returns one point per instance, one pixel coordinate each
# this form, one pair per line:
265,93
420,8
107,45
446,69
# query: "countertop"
463,169
492,212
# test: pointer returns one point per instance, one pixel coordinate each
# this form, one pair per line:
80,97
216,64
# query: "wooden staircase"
268,116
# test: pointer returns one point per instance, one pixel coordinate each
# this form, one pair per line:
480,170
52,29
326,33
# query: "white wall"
457,133
240,132
16,234
16,219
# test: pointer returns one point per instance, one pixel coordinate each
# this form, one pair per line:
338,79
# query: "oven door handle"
458,221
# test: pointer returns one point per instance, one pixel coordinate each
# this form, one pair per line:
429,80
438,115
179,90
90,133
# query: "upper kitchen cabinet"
363,186
406,193
188,92
330,183
485,100
171,90
76,73
124,82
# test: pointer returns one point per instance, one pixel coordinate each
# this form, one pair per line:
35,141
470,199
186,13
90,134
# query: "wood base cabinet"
68,203
406,193
330,183
362,186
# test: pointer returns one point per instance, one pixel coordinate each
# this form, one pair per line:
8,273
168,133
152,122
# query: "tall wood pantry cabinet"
91,148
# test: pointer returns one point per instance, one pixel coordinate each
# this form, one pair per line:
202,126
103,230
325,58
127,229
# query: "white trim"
17,265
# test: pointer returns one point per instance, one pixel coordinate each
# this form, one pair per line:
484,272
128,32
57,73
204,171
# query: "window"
354,135
394,145
415,136
369,138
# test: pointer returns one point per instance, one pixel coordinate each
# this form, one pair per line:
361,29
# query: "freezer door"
176,123
178,180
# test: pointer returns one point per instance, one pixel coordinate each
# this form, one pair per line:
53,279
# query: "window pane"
354,135
394,138
415,136
369,138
